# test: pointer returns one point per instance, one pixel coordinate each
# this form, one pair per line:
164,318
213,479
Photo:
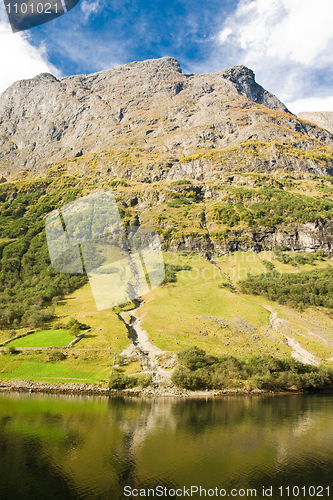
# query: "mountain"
239,190
214,161
156,116
323,119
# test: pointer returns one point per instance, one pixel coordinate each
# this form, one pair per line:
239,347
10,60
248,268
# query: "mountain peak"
166,63
244,79
150,106
41,79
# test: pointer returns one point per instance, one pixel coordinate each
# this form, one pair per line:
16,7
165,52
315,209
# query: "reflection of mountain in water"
92,448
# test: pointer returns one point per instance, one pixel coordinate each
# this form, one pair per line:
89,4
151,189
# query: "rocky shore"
98,390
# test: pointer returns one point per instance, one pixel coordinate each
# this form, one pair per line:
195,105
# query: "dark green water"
56,447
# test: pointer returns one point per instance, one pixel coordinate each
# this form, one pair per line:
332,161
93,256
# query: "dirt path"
145,350
298,352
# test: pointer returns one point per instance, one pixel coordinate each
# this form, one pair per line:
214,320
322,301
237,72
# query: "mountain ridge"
152,107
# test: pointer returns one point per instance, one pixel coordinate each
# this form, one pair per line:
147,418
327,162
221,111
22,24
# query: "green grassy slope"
198,309
207,306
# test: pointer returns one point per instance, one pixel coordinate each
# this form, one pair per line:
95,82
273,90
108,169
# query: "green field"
44,338
50,372
198,309
75,365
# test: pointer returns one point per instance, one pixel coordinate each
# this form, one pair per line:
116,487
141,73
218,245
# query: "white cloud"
311,104
298,30
286,42
89,8
19,59
224,35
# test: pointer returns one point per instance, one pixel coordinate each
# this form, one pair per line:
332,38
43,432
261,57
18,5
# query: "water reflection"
57,447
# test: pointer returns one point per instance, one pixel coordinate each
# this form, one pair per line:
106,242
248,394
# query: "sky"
287,43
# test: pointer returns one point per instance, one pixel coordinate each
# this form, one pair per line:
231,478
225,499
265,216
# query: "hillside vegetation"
298,290
197,307
240,192
183,214
199,371
212,297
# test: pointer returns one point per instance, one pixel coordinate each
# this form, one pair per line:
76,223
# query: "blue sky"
288,43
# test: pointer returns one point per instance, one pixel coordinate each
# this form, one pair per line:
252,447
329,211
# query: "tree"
75,329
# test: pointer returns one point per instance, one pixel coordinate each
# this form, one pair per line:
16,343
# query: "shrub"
227,286
57,299
144,380
59,325
269,265
185,378
13,350
199,371
178,202
121,381
57,356
193,358
171,271
180,182
121,360
75,330
75,323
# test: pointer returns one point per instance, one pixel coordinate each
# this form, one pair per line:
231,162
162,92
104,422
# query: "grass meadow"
200,309
44,338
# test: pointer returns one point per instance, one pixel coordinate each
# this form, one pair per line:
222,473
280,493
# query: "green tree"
75,330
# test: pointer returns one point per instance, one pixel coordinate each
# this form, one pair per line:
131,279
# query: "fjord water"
70,447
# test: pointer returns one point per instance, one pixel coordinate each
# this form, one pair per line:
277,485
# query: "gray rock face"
149,106
323,119
299,238
244,79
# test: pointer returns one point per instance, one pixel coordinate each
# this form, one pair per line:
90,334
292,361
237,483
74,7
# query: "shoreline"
29,386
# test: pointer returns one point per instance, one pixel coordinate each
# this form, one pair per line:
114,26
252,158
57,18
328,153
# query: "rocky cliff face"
150,109
297,238
323,119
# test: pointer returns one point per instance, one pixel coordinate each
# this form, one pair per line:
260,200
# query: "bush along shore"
200,375
201,371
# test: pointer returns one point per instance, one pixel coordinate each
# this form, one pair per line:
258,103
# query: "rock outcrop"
298,237
244,79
